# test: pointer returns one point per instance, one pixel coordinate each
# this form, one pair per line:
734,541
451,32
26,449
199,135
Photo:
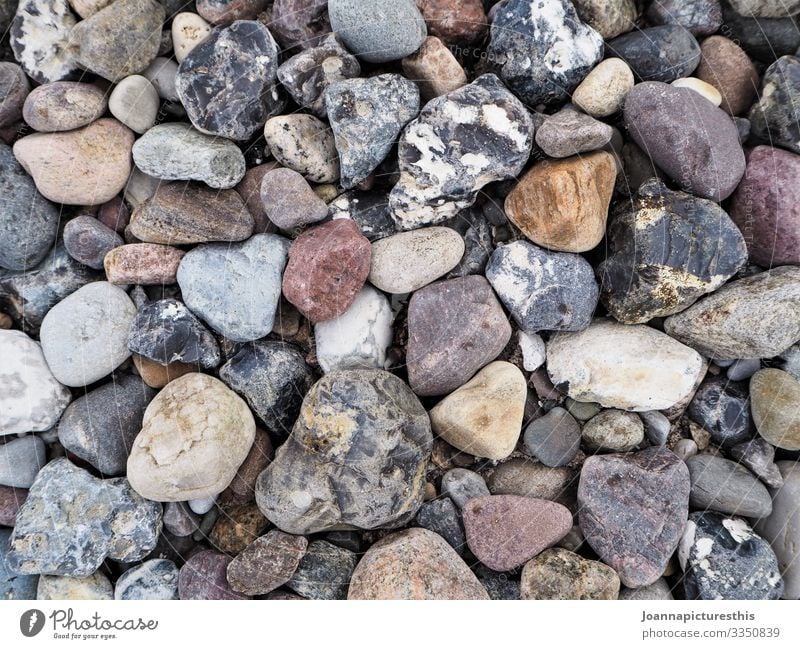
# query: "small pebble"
603,90
554,438
134,102
462,485
324,572
204,576
288,200
442,517
727,67
663,53
759,456
568,133
561,574
658,590
162,73
20,461
700,17
772,118
454,21
188,31
533,350
613,431
11,499
143,263
609,17
656,426
434,69
88,241
179,519
700,87
237,527
581,410
305,144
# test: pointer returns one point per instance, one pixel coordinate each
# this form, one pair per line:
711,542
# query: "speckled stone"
11,499
63,106
569,132
204,576
143,264
12,585
728,68
188,31
39,36
554,438
237,527
94,587
775,402
324,572
722,408
609,17
613,430
88,241
700,17
153,579
288,200
267,563
442,517
462,485
299,23
305,144
560,574
658,590
727,487
774,117
369,210
179,520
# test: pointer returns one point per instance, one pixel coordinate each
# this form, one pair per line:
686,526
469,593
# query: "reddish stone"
727,67
249,188
114,214
143,263
11,500
267,563
204,576
454,21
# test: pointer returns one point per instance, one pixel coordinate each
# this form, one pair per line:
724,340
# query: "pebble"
724,65
235,288
20,461
154,579
442,517
328,265
324,572
87,166
267,563
94,587
530,283
143,264
656,427
71,521
763,39
700,17
521,477
722,408
369,414
179,520
701,88
359,337
753,317
88,241
188,31
666,249
369,210
658,590
407,261
434,69
534,352
758,456
454,21
204,576
568,133
120,39
444,162
63,106
221,12
609,17
773,118
554,438
743,369
462,485
84,337
201,506
237,527
288,200
249,188
273,378
633,509
176,151
723,559
134,102
563,204
603,90
685,448
242,488
766,8
378,30
690,139
663,53
413,564
300,23
195,435
727,487
305,144
561,574
162,73
40,39
12,585
613,431
542,52
775,402
11,499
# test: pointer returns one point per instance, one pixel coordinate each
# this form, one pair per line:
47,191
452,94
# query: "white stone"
359,337
134,102
94,587
86,8
202,506
534,352
31,399
603,91
305,144
188,31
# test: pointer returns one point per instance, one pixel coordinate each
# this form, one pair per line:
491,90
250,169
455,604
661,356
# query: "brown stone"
114,214
523,477
143,263
11,499
454,21
261,453
203,576
434,69
563,204
237,527
561,574
249,188
775,402
724,65
267,563
156,375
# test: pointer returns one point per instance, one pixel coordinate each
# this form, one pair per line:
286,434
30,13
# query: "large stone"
775,402
662,53
40,39
267,563
63,106
727,487
560,574
774,118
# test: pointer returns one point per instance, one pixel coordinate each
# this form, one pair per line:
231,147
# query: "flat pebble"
775,402
20,461
63,106
561,574
613,430
554,438
143,264
154,579
323,572
88,241
727,487
305,144
267,563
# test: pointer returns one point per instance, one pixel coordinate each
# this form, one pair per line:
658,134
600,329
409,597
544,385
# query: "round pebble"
134,102
63,106
554,438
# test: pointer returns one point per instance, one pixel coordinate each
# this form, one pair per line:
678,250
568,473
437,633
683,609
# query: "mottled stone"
368,209
774,117
188,31
237,527
20,461
775,399
658,590
305,144
462,485
324,572
40,35
568,132
560,574
613,430
11,499
554,438
14,586
727,67
63,106
603,91
288,200
143,264
759,456
454,21
609,17
179,519
88,241
662,53
267,563
727,487
434,69
721,407
700,17
204,576
153,579
442,517
94,587
521,477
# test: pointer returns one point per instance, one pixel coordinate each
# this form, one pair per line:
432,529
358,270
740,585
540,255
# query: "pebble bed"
397,299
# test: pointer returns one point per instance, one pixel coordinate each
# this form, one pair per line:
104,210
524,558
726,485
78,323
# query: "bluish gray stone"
20,461
700,17
743,369
462,485
153,579
179,519
88,240
553,438
12,585
663,53
324,571
499,585
656,427
775,118
442,517
724,486
722,408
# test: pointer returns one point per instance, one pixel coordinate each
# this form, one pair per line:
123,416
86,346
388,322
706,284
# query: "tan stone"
775,403
726,66
156,375
434,69
561,574
700,87
563,204
604,89
188,31
143,263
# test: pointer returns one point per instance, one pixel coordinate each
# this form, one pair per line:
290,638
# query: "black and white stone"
475,229
40,39
153,579
369,209
324,571
722,408
774,118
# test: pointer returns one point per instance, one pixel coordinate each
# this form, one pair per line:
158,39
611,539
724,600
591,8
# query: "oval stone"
775,402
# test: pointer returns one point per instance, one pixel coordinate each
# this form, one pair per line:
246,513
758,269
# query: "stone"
632,510
324,572
560,574
663,53
300,23
140,187
204,576
658,590
11,499
563,204
753,317
288,200
666,249
366,116
724,486
201,506
187,213
521,477
242,488
614,431
94,587
453,22
84,337
542,52
249,188
455,327
766,8
86,8
775,402
71,521
630,367
554,438
134,102
154,579
359,337
267,563
721,407
87,166
462,485
63,106
366,414
237,527
723,559
407,261
475,228
700,17
40,35
724,65
305,144
235,288
368,209
603,91
743,369
530,283
758,456
483,417
143,264
12,585
533,350
88,241
444,162
179,520
327,267
609,17
704,90
413,564
773,118
161,73
691,140
434,69
442,517
188,31
228,83
656,427
568,132
765,39
378,30
20,461
273,378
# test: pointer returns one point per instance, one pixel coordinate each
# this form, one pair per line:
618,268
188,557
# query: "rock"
434,69
568,132
563,204
39,37
242,488
235,288
84,337
603,91
273,377
94,587
632,510
134,102
220,12
323,572
581,410
690,139
300,23
327,267
721,407
441,517
462,21
561,574
444,162
368,414
773,118
407,261
554,438
88,241
249,188
667,249
87,166
722,558
542,53
727,67
114,214
609,17
186,213
630,367
267,563
656,427
12,585
305,144
455,327
204,576
662,53
413,564
359,337
20,461
86,8
614,431
153,579
143,263
369,210
71,521
726,487
202,506
775,399
11,499
64,106
289,201
237,527
705,90
766,8
179,520
462,485
764,39
530,282
162,73
743,369
658,590
188,31
378,30
484,416
758,456
228,83
700,17
521,477
754,317
366,116
533,350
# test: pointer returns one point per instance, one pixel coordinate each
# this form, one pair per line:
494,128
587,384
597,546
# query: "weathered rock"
521,477
143,263
658,590
603,91
462,485
560,574
94,587
442,517
40,39
288,200
188,31
153,579
662,53
727,487
204,576
180,520
775,399
12,585
569,132
700,17
554,438
324,572
64,106
759,456
721,407
774,118
369,210
727,67
305,144
237,527
434,69
300,23
88,241
613,430
609,17
267,563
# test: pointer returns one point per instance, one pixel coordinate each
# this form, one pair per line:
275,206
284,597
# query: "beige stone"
434,69
86,8
94,587
700,87
188,31
561,574
134,102
613,430
775,404
604,89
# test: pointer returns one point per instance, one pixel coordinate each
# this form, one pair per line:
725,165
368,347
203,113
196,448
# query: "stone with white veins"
40,39
153,579
460,142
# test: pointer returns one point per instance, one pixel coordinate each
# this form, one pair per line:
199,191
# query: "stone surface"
775,402
727,67
305,144
134,102
12,585
603,91
94,587
534,352
143,263
434,69
700,17
762,38
204,576
521,477
560,574
324,572
462,485
249,189
179,520
726,487
39,36
662,53
153,579
613,430
758,456
609,17
288,200
707,91
161,73
554,438
63,106
658,590
774,117
721,407
242,488
237,527
11,499
454,21
442,517
88,241
267,563
300,23
20,461
569,132
188,31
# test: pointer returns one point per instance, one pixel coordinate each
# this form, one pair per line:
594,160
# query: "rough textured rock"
662,53
63,106
775,402
721,407
727,67
300,23
462,485
94,587
442,517
613,430
434,69
700,17
288,200
758,456
305,144
40,39
242,488
153,579
88,241
143,263
560,574
554,438
727,487
324,571
204,576
12,585
237,527
609,17
774,118
569,132
267,563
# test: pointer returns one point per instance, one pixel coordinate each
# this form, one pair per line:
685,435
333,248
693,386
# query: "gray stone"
20,461
40,39
662,53
656,427
87,240
758,455
499,585
554,438
299,23
774,117
153,579
180,520
762,38
162,73
743,369
613,430
522,477
476,230
722,408
324,572
726,487
14,88
12,585
658,590
700,17
305,144
289,201
462,485
442,517
568,132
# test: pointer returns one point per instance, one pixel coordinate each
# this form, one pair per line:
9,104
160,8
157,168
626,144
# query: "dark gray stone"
14,586
656,427
40,35
700,17
775,118
726,487
462,485
722,408
553,438
476,231
87,240
758,455
663,53
324,571
179,519
299,23
20,461
762,38
369,209
442,517
153,579
14,89
499,585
